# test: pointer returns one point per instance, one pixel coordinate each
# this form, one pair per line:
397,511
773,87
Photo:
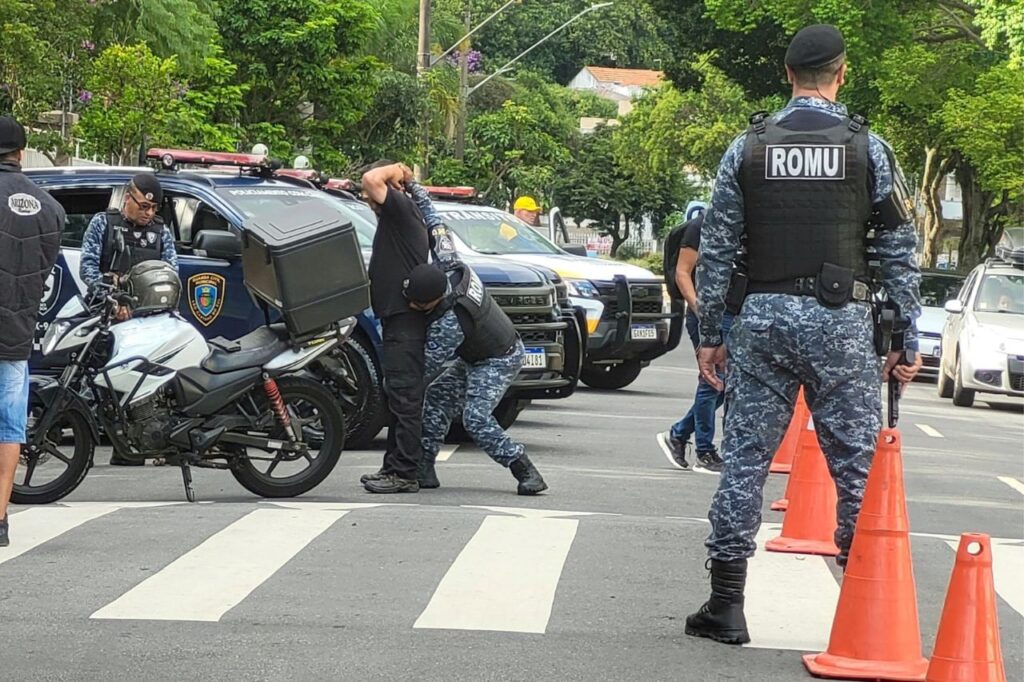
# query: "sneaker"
390,483
375,476
4,530
709,462
675,450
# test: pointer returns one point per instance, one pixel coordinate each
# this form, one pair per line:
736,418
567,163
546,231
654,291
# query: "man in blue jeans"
699,422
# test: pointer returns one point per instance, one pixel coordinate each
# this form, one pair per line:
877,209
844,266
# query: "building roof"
642,78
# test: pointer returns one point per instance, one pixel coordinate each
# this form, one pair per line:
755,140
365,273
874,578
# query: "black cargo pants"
404,335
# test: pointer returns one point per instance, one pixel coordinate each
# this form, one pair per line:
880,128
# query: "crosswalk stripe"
213,578
1007,569
446,452
1013,483
37,525
790,598
504,579
929,431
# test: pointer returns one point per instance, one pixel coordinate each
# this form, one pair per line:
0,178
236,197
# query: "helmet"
155,286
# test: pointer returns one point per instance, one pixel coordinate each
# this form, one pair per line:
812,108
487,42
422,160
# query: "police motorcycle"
156,388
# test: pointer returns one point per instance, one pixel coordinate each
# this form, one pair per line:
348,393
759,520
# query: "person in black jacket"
30,225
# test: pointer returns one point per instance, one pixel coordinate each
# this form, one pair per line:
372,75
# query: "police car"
206,208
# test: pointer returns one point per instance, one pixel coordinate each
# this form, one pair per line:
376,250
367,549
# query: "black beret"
149,187
815,46
426,283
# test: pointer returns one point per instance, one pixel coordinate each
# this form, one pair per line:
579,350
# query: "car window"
80,205
494,232
937,289
1001,294
968,287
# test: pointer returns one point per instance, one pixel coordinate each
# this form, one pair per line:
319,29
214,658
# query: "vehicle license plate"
643,332
536,357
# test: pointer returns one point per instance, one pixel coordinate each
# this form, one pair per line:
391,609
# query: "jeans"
13,400
700,420
403,388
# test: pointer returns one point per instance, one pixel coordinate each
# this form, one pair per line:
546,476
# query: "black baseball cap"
12,135
815,46
426,283
149,187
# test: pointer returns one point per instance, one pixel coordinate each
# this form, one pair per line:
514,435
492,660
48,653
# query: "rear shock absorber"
277,405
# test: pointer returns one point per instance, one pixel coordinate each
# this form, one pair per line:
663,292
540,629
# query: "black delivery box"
305,261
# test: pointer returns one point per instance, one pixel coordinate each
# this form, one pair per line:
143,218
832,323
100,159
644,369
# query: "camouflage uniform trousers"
778,343
474,390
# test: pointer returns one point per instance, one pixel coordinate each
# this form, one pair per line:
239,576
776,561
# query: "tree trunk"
984,217
936,166
618,235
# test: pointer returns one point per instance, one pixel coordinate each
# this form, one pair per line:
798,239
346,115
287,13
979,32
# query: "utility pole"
422,65
460,123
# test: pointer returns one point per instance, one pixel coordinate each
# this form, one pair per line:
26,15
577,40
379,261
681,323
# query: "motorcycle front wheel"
278,473
55,463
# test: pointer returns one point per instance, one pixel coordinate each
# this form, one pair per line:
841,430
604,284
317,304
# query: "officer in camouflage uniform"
799,187
467,329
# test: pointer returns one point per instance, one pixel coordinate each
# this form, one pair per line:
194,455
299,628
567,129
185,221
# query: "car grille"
646,298
534,337
929,335
930,361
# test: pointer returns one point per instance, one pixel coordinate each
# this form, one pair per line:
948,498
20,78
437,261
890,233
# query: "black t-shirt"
399,245
691,234
686,235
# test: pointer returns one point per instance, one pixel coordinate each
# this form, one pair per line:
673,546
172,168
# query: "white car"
983,338
937,287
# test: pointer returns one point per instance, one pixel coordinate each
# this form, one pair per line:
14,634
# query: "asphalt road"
125,581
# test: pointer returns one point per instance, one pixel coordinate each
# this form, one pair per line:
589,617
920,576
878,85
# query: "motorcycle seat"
254,349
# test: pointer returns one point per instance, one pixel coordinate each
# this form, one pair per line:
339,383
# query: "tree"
132,93
390,127
207,114
185,29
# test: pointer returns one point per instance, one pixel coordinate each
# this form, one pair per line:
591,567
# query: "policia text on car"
800,187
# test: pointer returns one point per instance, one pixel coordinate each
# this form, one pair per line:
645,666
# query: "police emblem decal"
206,296
805,162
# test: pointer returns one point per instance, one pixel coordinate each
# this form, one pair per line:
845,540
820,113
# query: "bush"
650,262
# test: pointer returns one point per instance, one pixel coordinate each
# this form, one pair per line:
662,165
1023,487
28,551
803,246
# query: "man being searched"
400,243
118,239
466,326
30,225
800,186
528,210
699,422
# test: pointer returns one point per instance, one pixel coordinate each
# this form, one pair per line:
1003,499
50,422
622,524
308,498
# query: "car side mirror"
217,244
575,249
954,306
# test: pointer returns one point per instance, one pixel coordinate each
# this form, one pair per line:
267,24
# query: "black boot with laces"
721,617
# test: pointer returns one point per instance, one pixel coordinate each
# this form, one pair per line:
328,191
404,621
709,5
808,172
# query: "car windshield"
496,233
937,289
1001,294
253,201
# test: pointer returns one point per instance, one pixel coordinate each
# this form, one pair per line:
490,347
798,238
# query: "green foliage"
651,261
184,29
206,116
389,128
1002,25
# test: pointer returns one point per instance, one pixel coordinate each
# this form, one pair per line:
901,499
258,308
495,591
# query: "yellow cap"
526,204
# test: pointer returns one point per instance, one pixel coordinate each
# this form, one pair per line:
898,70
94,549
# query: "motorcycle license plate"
643,332
536,357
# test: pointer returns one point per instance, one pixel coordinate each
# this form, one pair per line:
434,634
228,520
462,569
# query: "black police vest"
140,243
488,331
806,195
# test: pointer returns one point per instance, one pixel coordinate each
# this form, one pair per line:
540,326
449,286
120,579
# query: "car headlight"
53,334
582,288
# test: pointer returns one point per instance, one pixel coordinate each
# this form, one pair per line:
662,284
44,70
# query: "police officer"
139,234
467,326
800,186
117,239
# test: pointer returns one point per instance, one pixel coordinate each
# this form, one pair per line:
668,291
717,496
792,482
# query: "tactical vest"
489,333
140,243
806,195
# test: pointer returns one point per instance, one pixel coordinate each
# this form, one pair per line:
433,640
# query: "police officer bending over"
465,324
116,240
801,186
139,234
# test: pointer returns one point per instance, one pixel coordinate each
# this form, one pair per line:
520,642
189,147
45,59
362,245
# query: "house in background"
617,85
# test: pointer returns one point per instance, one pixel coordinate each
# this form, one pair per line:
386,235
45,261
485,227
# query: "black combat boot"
721,617
426,475
530,481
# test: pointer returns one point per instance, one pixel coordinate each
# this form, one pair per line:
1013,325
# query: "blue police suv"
209,197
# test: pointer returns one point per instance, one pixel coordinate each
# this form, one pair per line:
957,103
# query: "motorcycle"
156,388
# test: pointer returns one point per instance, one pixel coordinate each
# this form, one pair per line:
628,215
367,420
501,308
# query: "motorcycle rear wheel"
74,451
312,407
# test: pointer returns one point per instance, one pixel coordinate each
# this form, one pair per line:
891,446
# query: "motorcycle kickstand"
186,477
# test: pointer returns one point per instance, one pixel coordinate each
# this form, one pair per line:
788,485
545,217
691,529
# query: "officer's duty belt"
804,286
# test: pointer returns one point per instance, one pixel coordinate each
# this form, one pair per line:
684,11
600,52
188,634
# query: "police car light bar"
453,193
169,158
340,184
300,173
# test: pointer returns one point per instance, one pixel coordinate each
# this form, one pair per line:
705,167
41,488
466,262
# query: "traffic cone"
782,463
967,644
810,523
807,446
875,632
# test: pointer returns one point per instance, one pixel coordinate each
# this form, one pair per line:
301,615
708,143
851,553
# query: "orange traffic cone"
967,644
782,463
807,443
875,632
810,523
